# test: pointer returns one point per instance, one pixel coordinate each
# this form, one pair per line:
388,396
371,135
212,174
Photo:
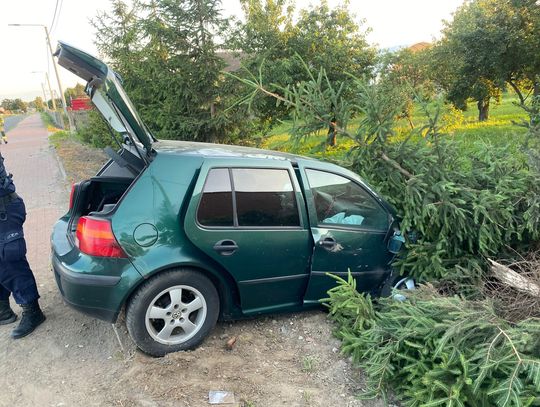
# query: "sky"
24,58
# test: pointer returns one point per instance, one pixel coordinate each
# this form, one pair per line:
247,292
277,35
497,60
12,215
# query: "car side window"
216,206
340,201
265,197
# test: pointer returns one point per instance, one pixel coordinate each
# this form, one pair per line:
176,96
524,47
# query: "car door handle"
328,242
226,247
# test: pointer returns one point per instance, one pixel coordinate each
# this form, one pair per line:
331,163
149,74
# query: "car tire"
172,311
397,282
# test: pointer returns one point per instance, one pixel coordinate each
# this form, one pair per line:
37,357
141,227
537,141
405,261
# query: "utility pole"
64,105
44,96
51,93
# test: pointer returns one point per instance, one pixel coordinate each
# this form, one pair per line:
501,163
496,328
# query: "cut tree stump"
513,279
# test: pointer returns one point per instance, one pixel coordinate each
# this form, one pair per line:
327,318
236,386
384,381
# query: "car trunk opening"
99,195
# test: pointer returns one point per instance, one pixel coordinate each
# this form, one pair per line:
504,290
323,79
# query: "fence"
80,118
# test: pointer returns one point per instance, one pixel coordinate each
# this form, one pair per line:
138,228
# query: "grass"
47,119
309,363
463,127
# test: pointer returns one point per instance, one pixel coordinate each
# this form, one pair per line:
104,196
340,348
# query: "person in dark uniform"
16,277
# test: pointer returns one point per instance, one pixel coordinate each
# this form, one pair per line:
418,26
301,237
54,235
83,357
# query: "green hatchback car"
181,234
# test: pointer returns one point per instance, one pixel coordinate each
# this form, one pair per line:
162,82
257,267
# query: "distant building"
81,103
420,46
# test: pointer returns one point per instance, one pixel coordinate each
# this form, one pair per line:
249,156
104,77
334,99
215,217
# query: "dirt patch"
282,360
79,160
286,360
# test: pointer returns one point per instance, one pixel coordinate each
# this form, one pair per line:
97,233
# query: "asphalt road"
10,122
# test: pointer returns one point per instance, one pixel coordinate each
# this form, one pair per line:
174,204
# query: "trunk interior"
99,195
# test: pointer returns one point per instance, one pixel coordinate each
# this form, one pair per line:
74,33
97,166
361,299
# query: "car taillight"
71,196
95,237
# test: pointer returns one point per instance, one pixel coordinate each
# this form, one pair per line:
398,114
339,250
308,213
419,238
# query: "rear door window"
216,206
248,197
265,197
340,201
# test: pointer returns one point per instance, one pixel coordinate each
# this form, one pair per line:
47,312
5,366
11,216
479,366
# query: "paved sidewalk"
37,177
55,365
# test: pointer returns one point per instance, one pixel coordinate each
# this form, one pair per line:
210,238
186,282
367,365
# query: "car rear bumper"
96,286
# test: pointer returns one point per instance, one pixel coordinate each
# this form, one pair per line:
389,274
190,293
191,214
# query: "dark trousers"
16,277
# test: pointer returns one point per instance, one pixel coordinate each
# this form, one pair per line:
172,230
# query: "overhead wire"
54,15
58,15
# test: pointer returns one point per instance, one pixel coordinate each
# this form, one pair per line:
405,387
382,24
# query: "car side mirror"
396,242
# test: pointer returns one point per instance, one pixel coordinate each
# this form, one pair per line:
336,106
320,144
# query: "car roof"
211,150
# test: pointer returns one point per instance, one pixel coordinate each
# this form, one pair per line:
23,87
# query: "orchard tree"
406,74
490,44
262,43
331,38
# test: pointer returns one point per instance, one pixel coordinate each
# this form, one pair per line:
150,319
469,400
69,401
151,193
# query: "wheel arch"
229,297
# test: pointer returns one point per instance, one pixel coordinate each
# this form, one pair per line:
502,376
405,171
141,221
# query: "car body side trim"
274,279
353,273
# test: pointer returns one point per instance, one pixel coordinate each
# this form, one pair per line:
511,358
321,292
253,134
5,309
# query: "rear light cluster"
72,195
95,237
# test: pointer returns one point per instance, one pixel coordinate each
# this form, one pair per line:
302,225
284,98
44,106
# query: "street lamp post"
64,105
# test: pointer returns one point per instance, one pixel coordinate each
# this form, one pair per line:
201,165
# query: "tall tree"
324,39
75,92
39,104
166,51
14,105
488,45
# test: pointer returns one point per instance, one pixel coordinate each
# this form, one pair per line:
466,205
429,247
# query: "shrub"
438,351
96,132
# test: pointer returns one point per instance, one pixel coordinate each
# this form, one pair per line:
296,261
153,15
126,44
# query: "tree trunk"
483,110
331,135
518,92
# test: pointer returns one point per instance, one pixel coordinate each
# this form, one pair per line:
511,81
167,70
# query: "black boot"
7,316
32,317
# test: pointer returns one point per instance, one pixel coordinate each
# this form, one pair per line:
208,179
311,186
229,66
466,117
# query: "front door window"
341,202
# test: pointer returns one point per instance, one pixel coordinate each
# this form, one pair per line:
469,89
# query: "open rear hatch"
104,87
98,196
